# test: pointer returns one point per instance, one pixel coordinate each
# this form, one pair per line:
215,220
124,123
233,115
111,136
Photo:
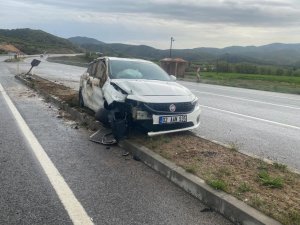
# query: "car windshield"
122,69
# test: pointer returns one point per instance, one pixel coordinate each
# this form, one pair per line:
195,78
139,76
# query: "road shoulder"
237,213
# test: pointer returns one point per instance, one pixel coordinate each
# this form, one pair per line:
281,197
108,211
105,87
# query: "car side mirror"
85,75
173,78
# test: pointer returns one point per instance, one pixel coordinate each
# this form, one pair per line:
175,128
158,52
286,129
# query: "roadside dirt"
269,188
54,88
9,48
272,189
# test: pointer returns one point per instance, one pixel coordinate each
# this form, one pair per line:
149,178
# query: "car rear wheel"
81,102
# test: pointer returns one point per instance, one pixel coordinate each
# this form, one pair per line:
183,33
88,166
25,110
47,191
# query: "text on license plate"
173,119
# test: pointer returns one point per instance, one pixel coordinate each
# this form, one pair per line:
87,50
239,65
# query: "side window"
101,72
90,69
94,69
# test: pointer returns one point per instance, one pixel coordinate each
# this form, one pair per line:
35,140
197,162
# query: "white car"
126,91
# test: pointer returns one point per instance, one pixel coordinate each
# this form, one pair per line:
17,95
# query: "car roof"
123,59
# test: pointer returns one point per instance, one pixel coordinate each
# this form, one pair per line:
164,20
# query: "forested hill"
36,41
273,54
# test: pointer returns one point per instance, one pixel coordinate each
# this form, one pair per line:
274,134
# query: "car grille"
164,108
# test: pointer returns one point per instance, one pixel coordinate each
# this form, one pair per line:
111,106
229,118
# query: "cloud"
193,22
243,12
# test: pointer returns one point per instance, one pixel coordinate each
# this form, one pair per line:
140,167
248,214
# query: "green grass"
233,147
223,172
78,60
13,60
244,187
218,184
235,76
280,166
286,84
257,201
290,217
191,169
262,166
159,140
267,180
294,217
166,155
164,139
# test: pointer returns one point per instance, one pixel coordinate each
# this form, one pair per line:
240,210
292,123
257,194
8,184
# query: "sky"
192,23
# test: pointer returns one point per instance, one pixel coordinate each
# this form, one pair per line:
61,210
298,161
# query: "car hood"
154,91
151,87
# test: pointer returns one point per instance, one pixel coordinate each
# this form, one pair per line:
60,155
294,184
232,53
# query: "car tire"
102,116
81,102
119,129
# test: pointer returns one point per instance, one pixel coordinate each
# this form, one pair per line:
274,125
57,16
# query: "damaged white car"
125,91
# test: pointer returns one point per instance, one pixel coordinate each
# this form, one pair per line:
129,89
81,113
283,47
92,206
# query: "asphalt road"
110,189
261,123
265,124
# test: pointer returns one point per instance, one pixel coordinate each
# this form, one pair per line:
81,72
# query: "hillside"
85,40
36,41
272,54
8,48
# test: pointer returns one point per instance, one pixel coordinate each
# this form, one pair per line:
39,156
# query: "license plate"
173,119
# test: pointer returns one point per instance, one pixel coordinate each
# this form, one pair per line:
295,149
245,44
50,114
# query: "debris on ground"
103,136
62,92
270,188
125,153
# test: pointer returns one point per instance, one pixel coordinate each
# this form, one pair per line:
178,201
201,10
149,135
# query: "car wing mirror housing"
173,78
86,75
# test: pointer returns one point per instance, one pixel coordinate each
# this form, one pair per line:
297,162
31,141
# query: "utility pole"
172,40
227,64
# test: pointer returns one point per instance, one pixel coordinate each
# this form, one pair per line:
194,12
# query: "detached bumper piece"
153,133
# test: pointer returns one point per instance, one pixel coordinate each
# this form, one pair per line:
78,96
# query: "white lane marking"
75,210
247,99
242,90
252,117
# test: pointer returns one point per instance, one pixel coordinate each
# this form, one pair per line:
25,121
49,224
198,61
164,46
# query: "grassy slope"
272,189
36,41
79,60
286,84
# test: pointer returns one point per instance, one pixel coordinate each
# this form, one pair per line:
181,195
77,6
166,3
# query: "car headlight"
195,102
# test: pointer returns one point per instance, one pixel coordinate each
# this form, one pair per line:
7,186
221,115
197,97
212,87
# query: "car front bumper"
193,121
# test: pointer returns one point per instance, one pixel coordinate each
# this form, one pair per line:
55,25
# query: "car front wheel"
81,103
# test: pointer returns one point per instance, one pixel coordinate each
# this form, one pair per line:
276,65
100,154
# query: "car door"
97,84
87,87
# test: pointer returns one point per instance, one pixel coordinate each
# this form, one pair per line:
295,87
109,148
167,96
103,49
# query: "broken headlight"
138,111
118,88
195,102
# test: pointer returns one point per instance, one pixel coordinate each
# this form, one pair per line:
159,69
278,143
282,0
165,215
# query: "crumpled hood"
152,87
154,91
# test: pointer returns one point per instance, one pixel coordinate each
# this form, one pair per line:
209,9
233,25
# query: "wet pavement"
112,189
261,123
